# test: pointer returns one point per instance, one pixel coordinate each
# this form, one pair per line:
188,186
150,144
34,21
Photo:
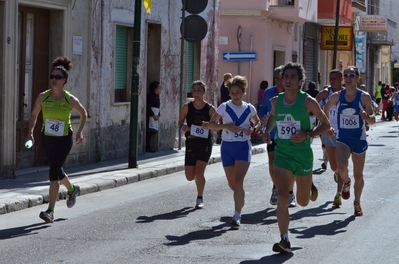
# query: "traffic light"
195,27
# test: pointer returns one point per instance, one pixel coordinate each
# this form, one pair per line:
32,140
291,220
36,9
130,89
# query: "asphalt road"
153,221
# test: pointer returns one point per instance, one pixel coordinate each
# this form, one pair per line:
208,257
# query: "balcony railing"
282,2
294,10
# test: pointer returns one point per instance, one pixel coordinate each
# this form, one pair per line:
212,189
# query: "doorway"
153,72
33,70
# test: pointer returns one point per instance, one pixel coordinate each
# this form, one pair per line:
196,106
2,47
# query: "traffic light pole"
183,15
134,94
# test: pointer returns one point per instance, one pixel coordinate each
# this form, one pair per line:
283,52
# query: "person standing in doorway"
198,139
293,113
56,105
236,148
153,113
354,109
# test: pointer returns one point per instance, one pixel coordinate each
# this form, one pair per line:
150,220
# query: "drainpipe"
134,95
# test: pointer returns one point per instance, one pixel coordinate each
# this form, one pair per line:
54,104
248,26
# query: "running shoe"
47,216
199,203
236,220
346,190
282,247
71,200
336,175
324,166
358,209
337,200
274,197
292,202
313,193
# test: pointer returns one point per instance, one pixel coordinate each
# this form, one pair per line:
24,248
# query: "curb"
104,181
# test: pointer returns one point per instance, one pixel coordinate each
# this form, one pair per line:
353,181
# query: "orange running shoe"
358,209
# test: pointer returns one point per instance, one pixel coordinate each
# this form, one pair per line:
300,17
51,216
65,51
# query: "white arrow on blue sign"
239,56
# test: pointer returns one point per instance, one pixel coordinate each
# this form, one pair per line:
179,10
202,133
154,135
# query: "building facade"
270,28
98,36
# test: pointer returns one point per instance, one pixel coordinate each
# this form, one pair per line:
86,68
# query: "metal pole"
134,95
183,15
334,65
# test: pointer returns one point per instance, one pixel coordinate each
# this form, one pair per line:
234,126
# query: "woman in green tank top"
56,105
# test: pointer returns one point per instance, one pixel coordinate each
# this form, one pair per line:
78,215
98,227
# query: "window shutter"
121,57
190,65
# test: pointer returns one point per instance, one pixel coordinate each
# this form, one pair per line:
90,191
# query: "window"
193,64
123,62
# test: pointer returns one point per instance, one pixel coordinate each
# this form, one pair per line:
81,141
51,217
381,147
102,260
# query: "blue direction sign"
239,56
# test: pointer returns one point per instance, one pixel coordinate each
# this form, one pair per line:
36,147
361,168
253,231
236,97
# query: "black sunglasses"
57,77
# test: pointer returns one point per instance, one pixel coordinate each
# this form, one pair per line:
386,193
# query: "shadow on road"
204,234
22,231
168,216
275,259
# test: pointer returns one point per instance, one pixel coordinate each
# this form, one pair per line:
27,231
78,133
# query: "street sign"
239,56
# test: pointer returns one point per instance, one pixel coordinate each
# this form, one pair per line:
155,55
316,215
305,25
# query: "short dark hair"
153,86
263,85
312,85
298,67
336,71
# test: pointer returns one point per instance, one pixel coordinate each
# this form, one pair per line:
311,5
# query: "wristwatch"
308,135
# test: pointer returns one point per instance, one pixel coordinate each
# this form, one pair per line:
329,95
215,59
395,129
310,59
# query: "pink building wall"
262,35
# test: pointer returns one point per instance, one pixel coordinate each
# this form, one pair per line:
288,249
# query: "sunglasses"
57,77
350,75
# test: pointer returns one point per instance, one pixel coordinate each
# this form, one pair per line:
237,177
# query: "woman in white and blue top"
236,147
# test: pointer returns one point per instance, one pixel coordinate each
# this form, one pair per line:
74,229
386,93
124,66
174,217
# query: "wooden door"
33,72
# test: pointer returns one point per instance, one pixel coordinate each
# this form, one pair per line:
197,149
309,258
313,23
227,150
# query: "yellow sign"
345,38
147,6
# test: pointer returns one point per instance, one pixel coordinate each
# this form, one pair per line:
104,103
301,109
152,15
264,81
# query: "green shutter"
190,65
121,57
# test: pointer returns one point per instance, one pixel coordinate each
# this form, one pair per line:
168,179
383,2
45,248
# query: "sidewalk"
30,188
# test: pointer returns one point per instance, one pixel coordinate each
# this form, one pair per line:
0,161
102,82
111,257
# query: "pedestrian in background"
354,109
56,105
312,89
292,112
378,96
224,97
198,139
153,113
385,93
261,92
395,100
236,147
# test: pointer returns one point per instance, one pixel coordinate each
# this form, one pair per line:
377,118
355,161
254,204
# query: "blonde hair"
238,80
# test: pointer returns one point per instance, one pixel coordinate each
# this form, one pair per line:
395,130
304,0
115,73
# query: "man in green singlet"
294,113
